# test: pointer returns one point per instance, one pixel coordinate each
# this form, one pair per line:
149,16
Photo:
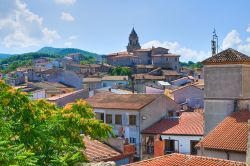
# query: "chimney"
159,146
202,148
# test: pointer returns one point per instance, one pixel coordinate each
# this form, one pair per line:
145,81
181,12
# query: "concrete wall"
71,79
190,94
38,94
223,155
106,83
216,111
166,62
144,57
224,81
157,110
224,84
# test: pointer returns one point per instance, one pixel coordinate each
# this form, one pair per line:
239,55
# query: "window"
118,119
193,150
176,59
170,114
149,145
132,119
109,118
100,116
132,140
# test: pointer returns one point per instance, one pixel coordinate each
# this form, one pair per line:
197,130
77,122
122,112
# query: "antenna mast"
214,43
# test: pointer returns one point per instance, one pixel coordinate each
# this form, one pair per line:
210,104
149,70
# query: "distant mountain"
3,56
66,51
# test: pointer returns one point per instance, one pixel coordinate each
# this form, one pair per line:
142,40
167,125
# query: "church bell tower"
133,41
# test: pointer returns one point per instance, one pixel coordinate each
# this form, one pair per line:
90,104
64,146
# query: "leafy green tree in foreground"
39,133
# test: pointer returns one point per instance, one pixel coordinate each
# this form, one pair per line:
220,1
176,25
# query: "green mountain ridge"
66,51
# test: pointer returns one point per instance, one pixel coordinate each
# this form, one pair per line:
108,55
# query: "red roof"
177,159
231,134
97,151
189,123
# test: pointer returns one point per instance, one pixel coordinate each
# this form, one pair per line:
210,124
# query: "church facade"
135,55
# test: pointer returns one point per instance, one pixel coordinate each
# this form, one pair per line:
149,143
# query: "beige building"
129,114
135,55
226,78
226,103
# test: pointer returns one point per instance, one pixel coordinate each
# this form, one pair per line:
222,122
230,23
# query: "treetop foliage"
39,133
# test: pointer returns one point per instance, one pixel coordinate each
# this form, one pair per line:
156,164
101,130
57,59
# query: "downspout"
140,153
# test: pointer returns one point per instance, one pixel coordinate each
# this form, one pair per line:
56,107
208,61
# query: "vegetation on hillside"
66,51
39,133
121,71
88,60
191,65
22,60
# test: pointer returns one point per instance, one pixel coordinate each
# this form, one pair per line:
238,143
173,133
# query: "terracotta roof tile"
115,78
228,56
170,73
189,123
177,159
231,134
122,101
97,151
148,77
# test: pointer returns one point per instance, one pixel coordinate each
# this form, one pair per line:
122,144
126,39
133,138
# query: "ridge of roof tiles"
177,159
189,123
228,56
230,135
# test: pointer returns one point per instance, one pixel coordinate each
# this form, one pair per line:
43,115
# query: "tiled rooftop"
97,151
148,77
177,159
228,56
189,123
122,101
231,134
115,78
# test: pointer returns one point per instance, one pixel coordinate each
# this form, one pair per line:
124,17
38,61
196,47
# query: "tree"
121,71
39,133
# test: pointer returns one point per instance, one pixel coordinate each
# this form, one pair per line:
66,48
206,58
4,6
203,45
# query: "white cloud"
231,40
67,17
187,54
248,29
65,2
71,38
19,27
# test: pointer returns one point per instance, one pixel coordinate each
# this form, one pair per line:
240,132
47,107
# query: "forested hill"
66,51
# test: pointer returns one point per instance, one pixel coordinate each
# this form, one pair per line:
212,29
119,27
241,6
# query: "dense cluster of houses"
180,116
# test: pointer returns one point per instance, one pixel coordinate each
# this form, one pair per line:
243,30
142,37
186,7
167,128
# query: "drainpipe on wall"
140,153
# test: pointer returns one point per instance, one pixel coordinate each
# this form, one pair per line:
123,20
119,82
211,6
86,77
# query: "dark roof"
230,135
189,123
122,101
177,159
228,56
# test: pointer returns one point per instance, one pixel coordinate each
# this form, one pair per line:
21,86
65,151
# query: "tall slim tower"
133,43
214,43
226,78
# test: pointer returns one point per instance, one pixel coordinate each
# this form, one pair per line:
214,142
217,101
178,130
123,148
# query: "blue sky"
103,26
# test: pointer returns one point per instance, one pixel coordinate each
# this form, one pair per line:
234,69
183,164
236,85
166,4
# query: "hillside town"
161,113
140,106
